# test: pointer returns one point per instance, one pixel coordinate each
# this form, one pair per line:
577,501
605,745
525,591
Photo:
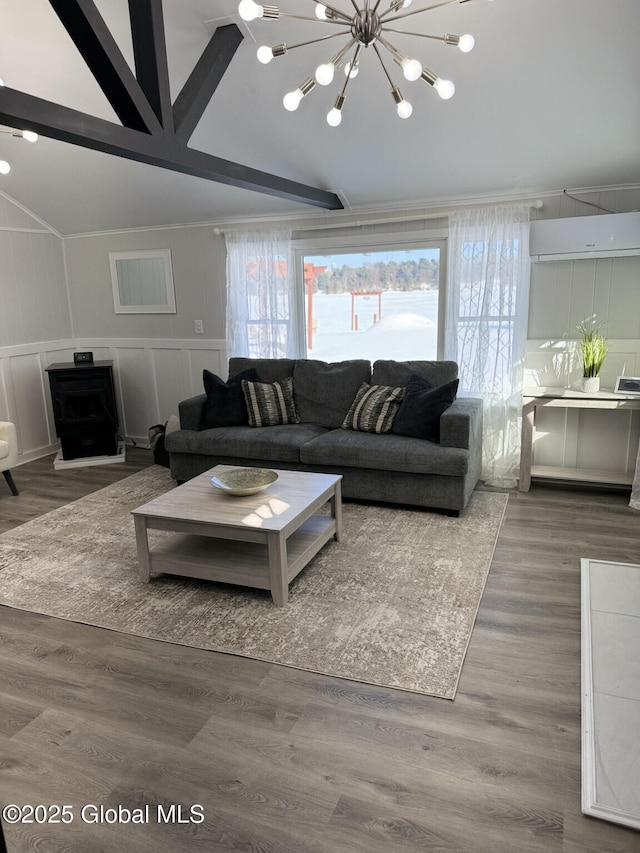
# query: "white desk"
534,398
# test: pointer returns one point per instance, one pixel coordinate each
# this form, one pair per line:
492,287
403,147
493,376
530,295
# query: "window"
142,282
371,301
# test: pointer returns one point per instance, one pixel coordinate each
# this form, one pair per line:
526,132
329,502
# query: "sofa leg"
453,513
9,478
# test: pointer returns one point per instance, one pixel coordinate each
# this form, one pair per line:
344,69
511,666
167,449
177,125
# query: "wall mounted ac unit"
610,235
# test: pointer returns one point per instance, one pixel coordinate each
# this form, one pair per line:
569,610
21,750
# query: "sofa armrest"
461,424
190,412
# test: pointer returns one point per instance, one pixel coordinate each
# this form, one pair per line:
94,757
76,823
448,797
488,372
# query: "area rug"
392,604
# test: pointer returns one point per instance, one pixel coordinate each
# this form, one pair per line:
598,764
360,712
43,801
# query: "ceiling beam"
102,55
204,79
18,109
150,55
152,130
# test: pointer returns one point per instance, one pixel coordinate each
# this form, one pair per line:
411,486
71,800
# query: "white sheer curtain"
486,328
260,294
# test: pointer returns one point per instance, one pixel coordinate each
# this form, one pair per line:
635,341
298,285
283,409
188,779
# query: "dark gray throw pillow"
225,404
420,410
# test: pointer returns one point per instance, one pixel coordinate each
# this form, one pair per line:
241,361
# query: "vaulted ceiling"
547,100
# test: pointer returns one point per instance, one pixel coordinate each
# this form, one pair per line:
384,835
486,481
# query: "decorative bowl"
244,481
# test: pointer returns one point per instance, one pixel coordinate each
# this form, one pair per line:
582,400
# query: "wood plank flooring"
285,761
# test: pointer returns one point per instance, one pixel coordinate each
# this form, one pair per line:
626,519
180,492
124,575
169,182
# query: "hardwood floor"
285,761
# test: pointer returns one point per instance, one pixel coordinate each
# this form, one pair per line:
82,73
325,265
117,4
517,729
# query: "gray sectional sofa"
380,467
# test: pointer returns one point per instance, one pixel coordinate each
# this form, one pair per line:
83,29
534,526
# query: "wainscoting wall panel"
151,377
170,373
29,400
24,394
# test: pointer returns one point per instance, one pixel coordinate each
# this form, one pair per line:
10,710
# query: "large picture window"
371,302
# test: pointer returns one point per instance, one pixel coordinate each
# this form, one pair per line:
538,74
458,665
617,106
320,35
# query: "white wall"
198,258
33,293
35,324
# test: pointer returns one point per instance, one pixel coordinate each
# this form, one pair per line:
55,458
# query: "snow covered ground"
407,329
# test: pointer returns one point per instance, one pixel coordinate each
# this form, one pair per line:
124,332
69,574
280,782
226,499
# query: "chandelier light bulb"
5,168
265,54
30,136
321,11
249,10
466,43
291,100
351,69
324,73
334,117
445,88
411,69
404,109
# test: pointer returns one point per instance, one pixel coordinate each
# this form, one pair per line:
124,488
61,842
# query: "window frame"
353,243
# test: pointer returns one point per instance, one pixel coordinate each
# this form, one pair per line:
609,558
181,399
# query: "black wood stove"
84,408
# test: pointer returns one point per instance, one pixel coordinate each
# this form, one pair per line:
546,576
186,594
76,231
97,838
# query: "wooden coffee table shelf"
263,540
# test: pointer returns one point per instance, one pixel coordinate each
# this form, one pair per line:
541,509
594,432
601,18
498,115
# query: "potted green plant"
593,349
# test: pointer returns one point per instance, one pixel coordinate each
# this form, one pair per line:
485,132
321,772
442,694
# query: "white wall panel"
550,437
33,295
29,402
134,390
603,436
564,293
171,383
556,363
199,360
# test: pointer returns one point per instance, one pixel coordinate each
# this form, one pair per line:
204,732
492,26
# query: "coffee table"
262,540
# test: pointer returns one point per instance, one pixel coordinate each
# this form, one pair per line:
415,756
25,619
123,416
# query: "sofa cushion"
400,372
420,411
323,391
374,408
4,449
268,369
351,449
277,444
225,404
270,404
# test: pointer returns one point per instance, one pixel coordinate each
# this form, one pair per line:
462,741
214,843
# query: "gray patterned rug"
392,604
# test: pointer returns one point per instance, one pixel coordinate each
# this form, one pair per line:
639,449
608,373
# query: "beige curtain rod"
359,223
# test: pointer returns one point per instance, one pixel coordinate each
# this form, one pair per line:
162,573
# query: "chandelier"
366,27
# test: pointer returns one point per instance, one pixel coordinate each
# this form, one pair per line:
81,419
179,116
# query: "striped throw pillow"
374,408
270,404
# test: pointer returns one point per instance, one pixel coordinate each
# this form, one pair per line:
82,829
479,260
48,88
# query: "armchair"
8,452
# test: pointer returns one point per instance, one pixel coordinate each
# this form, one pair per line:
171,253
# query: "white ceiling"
549,99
